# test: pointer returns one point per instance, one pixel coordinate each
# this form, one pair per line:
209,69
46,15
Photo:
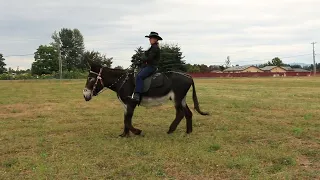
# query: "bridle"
99,78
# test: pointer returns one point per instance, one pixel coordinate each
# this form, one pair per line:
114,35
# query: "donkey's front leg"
128,120
126,131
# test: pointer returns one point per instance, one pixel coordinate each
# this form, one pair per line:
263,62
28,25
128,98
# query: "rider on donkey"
150,63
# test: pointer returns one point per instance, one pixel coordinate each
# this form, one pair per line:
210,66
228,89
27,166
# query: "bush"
5,76
65,75
71,75
74,75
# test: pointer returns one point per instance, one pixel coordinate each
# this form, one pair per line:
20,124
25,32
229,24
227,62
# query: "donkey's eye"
90,78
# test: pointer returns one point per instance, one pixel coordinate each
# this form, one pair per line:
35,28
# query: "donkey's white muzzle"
87,94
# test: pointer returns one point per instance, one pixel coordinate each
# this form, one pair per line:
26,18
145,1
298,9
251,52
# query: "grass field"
259,128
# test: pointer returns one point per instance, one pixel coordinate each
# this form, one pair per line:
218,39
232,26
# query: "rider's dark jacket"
152,55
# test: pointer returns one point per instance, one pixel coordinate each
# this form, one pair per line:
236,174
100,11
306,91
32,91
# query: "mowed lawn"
259,128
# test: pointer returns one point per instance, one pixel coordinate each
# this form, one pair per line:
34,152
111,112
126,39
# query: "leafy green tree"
222,68
71,46
189,67
118,67
10,70
275,62
317,67
2,64
296,66
171,58
192,68
204,68
137,57
95,57
46,60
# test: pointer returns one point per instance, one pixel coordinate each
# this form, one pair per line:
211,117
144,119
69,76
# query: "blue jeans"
142,75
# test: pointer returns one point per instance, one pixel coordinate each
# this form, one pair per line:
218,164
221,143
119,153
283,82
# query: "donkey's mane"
116,71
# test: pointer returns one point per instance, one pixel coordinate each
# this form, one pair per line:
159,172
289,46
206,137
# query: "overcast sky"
249,31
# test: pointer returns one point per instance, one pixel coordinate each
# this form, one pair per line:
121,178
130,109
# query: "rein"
99,78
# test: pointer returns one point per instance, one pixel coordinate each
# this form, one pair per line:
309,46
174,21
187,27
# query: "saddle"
155,80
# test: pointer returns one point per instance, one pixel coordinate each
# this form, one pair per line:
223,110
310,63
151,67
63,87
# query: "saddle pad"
154,81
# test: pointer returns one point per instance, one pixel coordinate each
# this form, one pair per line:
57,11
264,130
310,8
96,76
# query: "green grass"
259,128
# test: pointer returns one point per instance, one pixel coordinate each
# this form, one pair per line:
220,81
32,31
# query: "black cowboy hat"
154,34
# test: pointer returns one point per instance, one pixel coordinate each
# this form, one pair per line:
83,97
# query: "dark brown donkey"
158,88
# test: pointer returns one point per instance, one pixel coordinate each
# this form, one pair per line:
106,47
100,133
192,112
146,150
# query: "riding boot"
136,97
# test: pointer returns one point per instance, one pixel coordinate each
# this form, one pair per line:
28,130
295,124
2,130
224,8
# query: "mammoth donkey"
158,88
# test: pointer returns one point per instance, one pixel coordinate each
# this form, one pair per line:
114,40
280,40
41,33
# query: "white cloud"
208,31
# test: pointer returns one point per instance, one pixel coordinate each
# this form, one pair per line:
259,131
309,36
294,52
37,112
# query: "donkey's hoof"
142,134
169,132
138,132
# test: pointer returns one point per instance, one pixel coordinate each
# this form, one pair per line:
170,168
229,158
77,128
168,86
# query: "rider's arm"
152,54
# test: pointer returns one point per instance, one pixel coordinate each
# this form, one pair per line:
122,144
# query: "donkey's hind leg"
188,115
177,120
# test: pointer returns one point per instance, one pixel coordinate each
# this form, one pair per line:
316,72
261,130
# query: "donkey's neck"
113,78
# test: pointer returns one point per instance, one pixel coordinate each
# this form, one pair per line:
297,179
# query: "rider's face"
152,40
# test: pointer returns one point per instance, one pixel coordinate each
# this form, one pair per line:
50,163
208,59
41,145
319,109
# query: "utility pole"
60,61
314,60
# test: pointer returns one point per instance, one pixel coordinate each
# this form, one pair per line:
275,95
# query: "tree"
46,60
317,67
214,68
170,58
228,62
192,68
118,67
222,68
275,62
71,46
2,64
296,66
10,70
95,57
204,68
137,57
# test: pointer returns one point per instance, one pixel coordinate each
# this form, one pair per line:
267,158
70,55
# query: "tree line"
75,57
68,44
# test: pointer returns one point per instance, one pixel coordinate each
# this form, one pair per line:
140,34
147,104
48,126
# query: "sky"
249,31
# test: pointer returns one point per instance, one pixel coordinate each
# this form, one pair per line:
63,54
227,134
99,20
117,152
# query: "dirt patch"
303,161
25,110
173,170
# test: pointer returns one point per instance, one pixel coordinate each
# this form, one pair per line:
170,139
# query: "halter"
99,78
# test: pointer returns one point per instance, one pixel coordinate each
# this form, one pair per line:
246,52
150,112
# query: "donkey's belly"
156,101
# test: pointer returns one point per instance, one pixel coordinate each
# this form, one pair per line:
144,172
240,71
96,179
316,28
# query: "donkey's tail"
196,102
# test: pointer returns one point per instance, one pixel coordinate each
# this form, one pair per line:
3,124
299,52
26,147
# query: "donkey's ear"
95,64
89,64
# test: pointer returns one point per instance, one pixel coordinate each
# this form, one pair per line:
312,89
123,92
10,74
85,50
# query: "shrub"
65,75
